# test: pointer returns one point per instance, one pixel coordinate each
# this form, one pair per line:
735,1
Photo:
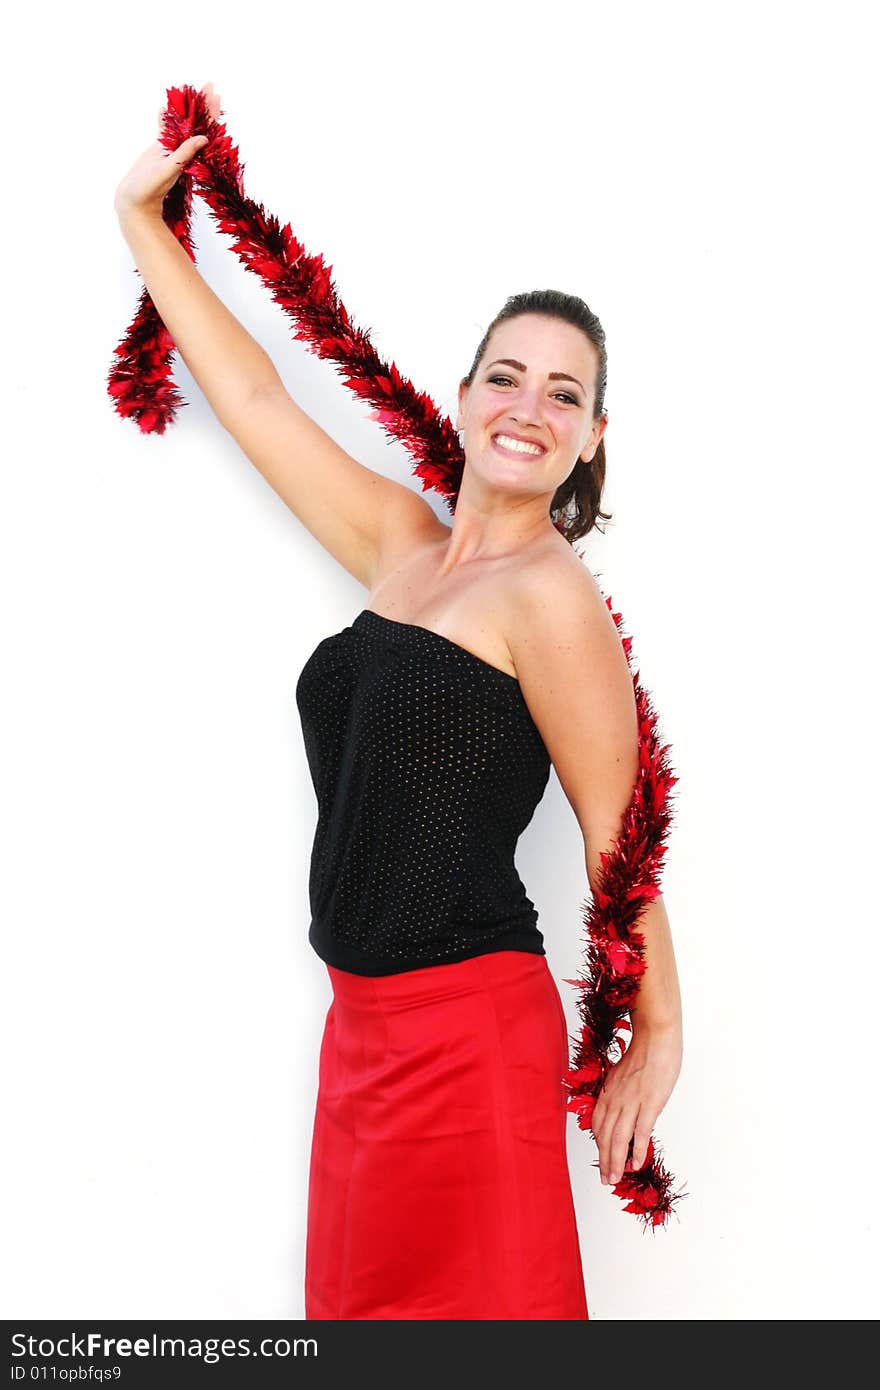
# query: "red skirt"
439,1183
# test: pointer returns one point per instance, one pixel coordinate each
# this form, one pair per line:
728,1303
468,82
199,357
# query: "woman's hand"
635,1091
144,187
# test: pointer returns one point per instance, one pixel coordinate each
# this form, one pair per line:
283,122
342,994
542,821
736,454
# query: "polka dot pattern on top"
427,767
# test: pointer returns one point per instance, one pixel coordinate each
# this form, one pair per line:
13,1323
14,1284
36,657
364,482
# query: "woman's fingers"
612,1131
617,1148
189,148
604,1119
641,1139
212,102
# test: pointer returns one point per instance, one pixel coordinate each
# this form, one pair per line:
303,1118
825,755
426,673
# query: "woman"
439,1185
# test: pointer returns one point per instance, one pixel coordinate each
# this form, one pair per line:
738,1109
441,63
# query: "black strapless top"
427,766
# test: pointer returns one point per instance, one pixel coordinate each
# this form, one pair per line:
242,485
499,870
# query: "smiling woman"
439,1184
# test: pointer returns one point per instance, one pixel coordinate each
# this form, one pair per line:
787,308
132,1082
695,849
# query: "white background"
703,176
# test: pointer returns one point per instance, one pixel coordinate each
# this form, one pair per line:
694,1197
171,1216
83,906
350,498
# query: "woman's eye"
565,394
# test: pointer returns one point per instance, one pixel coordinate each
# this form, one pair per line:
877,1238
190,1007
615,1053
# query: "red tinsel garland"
142,387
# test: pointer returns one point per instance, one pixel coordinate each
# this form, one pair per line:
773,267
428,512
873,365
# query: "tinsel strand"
141,385
615,954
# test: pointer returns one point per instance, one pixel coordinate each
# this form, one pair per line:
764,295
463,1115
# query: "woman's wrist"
656,1024
137,214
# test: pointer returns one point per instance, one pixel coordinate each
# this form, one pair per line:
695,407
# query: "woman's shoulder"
551,579
557,622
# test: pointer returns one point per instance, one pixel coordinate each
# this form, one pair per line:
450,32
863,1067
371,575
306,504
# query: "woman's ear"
462,397
595,439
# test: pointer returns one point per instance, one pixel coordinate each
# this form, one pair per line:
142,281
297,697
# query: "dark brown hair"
575,506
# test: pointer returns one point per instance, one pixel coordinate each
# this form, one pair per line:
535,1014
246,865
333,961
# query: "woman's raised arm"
349,508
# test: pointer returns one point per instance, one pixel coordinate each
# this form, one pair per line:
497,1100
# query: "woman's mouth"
515,448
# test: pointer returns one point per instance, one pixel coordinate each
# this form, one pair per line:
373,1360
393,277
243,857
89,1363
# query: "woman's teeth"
517,446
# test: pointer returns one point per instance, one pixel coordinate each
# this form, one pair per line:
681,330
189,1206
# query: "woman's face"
542,392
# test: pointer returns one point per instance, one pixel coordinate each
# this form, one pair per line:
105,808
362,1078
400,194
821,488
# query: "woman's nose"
527,411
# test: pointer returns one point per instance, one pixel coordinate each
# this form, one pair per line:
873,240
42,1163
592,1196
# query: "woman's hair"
575,506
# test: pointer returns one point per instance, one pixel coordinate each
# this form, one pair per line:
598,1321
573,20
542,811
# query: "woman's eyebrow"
521,367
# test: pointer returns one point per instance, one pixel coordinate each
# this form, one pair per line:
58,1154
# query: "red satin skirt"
439,1184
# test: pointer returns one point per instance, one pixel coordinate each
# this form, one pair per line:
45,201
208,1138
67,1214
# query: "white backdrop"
703,178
